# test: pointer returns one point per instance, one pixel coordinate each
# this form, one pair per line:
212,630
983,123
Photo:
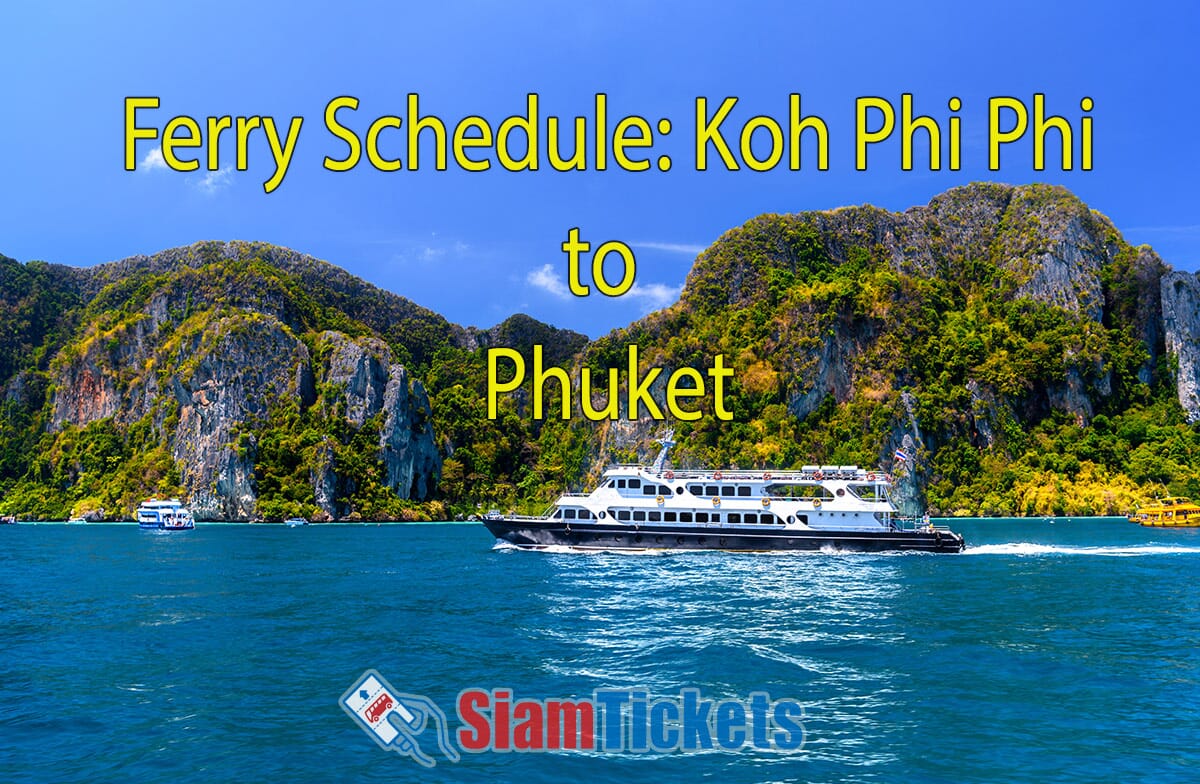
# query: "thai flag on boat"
901,455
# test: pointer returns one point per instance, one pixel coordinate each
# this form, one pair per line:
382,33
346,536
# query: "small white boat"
170,515
295,522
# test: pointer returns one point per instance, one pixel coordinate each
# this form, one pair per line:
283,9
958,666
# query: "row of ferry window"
735,518
639,516
867,492
724,490
728,491
634,484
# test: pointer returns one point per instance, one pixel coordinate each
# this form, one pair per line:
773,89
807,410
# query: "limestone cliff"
1181,328
208,372
1008,338
241,366
371,385
949,329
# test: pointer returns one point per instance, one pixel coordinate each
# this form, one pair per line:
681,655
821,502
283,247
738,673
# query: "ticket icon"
396,720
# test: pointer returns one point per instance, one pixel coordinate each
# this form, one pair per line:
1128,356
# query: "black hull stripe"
535,535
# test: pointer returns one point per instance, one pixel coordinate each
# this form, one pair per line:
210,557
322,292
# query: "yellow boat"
1168,513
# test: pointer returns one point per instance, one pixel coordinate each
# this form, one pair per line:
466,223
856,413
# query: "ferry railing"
905,523
861,474
525,518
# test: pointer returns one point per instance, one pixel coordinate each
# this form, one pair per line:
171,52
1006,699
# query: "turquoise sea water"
1050,651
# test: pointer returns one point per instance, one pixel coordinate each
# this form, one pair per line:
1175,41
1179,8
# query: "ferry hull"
533,535
1193,523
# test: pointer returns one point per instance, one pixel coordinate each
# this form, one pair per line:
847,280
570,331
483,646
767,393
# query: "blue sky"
478,247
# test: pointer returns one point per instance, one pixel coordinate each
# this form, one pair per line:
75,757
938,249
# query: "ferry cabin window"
743,490
701,517
654,517
639,517
621,483
727,491
696,489
584,514
712,490
569,514
735,518
801,491
866,492
649,490
669,517
635,482
623,515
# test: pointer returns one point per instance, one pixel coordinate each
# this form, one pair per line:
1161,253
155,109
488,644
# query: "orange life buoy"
871,477
670,475
816,503
716,501
767,476
766,502
716,476
660,500
818,476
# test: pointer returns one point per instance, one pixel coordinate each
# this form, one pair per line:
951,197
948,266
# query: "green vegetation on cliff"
264,383
1007,336
999,329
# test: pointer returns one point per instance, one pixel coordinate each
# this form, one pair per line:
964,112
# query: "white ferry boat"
168,515
648,508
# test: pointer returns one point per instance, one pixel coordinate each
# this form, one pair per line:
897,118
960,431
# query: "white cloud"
650,296
546,280
429,251
215,181
153,160
671,247
654,295
209,184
